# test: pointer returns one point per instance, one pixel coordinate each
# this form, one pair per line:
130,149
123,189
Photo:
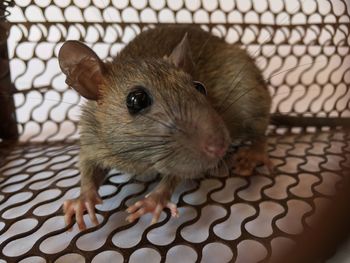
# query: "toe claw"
78,206
173,209
91,212
135,215
175,213
153,203
156,214
134,207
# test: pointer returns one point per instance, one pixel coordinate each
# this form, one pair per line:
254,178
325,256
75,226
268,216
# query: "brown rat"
171,102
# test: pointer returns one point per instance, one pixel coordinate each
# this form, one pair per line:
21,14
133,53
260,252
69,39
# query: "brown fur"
217,64
168,137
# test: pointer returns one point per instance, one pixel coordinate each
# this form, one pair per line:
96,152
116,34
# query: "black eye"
137,100
200,87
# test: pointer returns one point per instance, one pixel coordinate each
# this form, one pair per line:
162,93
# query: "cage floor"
222,218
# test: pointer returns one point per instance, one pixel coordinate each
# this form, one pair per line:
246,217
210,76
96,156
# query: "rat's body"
181,133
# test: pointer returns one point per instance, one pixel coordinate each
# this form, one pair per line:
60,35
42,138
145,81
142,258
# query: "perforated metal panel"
302,48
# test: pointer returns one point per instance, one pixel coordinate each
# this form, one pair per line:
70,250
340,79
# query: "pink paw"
247,159
78,206
153,203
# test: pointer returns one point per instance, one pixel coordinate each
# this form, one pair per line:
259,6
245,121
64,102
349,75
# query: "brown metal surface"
257,219
272,212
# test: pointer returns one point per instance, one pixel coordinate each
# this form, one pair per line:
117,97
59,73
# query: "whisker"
162,123
151,149
148,135
53,100
295,67
236,76
114,142
141,148
269,37
157,153
238,97
168,110
164,157
173,153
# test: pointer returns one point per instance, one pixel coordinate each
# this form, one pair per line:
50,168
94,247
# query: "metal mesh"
229,215
302,48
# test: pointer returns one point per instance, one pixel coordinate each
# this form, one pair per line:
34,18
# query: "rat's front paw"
153,203
78,206
247,159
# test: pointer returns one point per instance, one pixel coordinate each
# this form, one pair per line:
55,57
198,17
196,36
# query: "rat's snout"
203,139
215,146
210,135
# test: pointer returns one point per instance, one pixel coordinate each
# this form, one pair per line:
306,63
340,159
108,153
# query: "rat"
171,102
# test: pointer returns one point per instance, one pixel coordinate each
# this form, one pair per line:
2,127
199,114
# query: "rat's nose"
215,148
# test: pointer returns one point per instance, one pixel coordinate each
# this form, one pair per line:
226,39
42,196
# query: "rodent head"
150,110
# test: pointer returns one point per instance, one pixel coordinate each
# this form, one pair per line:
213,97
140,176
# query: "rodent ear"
82,67
181,56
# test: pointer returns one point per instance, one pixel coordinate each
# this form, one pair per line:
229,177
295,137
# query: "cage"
302,48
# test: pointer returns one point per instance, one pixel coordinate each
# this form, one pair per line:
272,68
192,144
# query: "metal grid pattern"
234,215
303,49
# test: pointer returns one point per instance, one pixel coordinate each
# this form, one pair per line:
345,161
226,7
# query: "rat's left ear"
181,56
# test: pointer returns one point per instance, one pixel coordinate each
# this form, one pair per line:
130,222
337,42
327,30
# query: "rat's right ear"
82,67
181,56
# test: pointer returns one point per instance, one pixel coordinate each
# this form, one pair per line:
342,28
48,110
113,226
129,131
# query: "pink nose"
217,150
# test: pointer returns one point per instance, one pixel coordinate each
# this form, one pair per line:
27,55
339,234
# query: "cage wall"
302,47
